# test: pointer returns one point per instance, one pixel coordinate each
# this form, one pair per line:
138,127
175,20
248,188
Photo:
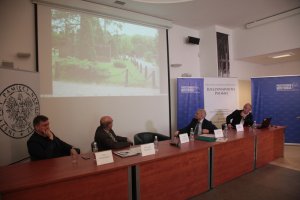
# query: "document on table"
128,152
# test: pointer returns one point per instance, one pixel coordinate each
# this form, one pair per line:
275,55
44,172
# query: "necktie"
198,128
242,121
112,137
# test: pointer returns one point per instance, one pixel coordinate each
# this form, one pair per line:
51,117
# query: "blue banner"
190,97
279,98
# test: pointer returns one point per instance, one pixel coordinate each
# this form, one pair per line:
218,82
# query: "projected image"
93,56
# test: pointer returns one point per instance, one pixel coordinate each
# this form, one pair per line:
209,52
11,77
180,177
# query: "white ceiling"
198,14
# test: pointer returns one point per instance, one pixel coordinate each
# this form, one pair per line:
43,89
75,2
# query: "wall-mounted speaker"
193,40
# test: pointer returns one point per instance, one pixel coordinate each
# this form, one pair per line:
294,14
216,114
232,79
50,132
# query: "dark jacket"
105,142
236,117
205,125
40,147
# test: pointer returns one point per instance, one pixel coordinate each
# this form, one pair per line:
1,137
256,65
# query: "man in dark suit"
43,144
106,138
199,124
244,117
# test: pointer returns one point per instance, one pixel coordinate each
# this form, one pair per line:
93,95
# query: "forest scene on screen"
87,49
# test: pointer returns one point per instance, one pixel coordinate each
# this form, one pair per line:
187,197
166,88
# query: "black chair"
148,137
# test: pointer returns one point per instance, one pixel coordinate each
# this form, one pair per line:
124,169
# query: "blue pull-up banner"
190,97
279,98
218,96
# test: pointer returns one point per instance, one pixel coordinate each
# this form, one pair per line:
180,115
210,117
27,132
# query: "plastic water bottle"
155,144
225,131
192,135
95,147
254,124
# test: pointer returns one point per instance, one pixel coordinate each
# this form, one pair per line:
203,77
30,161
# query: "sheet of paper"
129,152
218,133
239,127
221,139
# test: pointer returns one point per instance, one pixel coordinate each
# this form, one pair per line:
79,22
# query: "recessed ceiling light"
283,55
162,1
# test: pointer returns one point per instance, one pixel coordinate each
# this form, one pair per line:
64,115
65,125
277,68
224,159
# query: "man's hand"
176,133
48,133
73,152
205,131
130,142
229,126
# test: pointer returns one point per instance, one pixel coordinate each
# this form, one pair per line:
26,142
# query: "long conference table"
172,173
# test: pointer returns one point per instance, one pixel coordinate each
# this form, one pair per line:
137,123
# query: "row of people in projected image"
44,144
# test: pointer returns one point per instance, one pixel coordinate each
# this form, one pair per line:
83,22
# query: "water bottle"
225,130
155,144
192,135
254,124
95,147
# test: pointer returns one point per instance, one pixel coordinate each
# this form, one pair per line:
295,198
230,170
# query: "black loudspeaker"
193,40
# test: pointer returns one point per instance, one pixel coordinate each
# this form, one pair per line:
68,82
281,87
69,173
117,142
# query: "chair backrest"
148,137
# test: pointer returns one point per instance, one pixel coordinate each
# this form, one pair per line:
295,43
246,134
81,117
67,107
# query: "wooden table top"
26,175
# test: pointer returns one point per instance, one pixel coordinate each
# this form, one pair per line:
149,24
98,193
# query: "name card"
239,128
147,149
218,133
184,138
104,157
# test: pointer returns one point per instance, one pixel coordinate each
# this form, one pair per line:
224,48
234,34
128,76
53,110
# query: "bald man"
240,117
199,124
106,138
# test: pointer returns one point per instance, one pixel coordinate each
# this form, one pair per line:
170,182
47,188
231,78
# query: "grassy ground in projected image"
68,89
123,72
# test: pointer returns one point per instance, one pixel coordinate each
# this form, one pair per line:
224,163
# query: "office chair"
148,137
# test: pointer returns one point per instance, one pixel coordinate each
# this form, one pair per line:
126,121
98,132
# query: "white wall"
181,53
268,38
17,19
17,33
245,70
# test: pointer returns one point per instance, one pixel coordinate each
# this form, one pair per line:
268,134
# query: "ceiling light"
162,1
273,18
282,55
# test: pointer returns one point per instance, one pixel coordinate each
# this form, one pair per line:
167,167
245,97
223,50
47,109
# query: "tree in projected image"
88,49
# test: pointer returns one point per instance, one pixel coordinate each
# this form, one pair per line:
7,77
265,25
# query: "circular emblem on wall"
18,106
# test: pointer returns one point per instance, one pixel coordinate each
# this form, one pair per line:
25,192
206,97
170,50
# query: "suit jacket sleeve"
187,129
209,126
231,116
104,141
37,152
248,120
43,148
65,147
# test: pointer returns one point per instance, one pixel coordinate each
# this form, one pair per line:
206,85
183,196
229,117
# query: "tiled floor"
291,158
